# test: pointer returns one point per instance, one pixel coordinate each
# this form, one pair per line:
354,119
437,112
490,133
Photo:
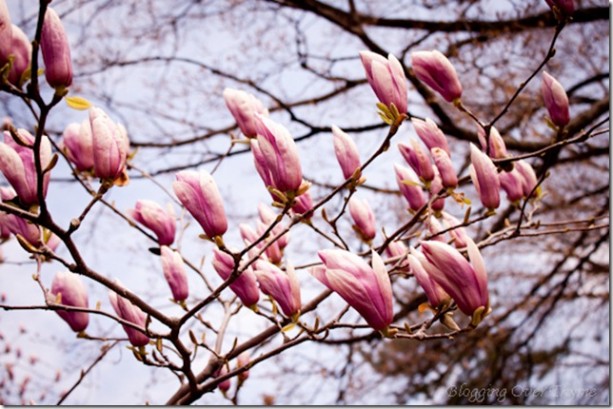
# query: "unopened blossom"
245,286
224,385
276,156
529,177
434,292
397,249
153,216
456,231
68,289
5,26
435,70
303,205
268,217
30,232
485,178
409,186
494,145
55,50
198,192
6,193
110,146
512,183
78,145
131,313
465,281
366,288
241,361
174,273
418,159
18,165
282,286
555,99
244,106
430,134
363,218
436,188
449,177
346,152
386,78
16,45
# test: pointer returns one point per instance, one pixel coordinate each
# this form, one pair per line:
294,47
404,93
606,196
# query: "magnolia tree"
404,249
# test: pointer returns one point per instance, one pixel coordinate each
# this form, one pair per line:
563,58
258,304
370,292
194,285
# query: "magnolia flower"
245,286
464,281
386,78
198,192
18,166
77,143
244,107
436,186
346,152
443,163
529,177
282,286
110,146
485,178
56,51
276,156
304,205
174,273
556,100
398,249
418,159
365,288
430,134
434,292
15,44
363,217
512,183
68,289
131,313
494,145
409,186
155,217
435,70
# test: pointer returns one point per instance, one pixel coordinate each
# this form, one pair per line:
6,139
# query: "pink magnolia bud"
268,217
435,227
241,361
155,217
110,146
410,187
17,165
5,25
365,288
495,146
418,159
386,78
282,286
29,231
243,107
443,163
529,177
6,193
464,281
363,217
434,292
16,44
279,156
174,273
555,100
430,134
435,188
73,293
245,286
398,249
485,178
55,49
131,313
566,7
78,144
435,70
304,205
274,253
512,183
346,152
224,385
198,192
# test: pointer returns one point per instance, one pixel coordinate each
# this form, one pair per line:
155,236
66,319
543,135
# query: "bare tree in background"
160,69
